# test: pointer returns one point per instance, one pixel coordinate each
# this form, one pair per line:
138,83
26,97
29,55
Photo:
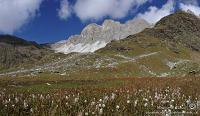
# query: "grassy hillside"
169,49
120,79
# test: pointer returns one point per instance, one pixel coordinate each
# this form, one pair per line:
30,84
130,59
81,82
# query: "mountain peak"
136,21
109,22
179,18
94,36
91,27
180,27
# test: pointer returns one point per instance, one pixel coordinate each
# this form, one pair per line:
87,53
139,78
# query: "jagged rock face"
161,51
94,37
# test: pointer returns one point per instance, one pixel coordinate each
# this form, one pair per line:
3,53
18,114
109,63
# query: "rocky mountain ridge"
166,50
94,37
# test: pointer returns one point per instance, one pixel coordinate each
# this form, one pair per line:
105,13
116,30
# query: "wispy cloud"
98,9
154,14
189,2
15,13
191,5
116,9
65,10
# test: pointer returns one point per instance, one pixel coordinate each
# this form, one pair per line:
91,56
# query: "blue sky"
43,24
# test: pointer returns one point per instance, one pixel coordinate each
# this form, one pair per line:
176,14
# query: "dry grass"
108,96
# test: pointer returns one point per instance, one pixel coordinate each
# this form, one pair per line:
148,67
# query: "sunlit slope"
169,49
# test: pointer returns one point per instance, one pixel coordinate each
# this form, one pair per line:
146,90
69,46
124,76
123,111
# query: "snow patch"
82,48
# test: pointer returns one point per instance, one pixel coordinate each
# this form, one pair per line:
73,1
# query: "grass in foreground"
122,96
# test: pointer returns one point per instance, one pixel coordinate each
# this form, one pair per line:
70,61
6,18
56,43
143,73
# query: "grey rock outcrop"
94,37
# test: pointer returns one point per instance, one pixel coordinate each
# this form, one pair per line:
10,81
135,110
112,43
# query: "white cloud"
97,9
189,2
195,9
15,13
154,14
65,10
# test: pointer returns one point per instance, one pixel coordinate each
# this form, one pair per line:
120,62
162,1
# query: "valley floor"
107,96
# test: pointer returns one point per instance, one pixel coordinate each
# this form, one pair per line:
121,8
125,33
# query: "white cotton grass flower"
76,99
168,112
152,103
135,104
103,105
25,104
41,96
86,113
92,103
100,111
171,106
52,102
188,101
117,107
100,100
145,99
48,96
31,110
85,101
113,96
146,104
16,100
128,101
106,98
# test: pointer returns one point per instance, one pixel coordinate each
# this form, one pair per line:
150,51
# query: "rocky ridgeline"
170,48
94,37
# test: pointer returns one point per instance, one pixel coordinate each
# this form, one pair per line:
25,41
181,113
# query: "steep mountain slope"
169,49
183,28
174,38
16,52
179,29
94,37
